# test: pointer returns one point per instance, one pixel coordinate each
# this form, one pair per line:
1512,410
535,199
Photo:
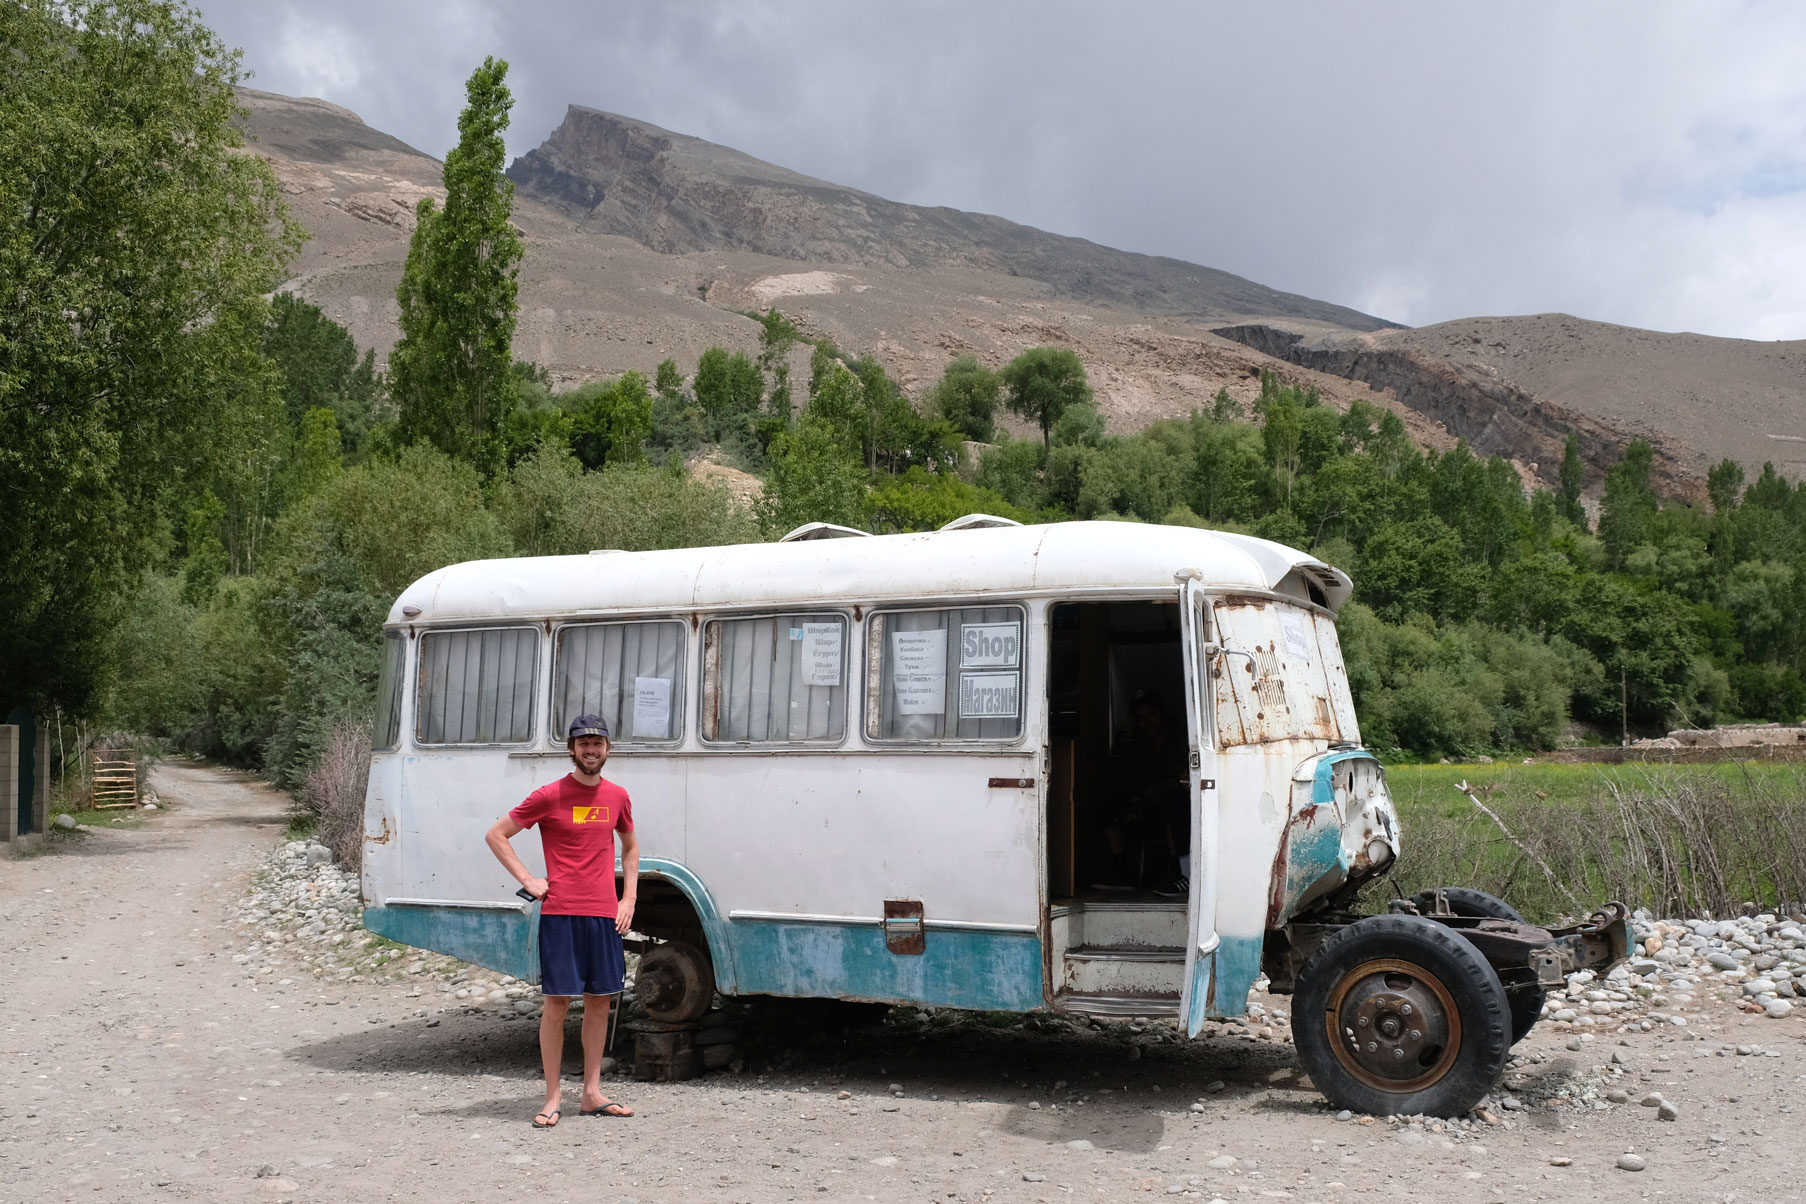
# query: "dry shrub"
334,791
1681,845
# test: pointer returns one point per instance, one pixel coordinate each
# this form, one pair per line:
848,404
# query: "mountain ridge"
675,193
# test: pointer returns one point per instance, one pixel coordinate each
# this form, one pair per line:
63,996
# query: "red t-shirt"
577,825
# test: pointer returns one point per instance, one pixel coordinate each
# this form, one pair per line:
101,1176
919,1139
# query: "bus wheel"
1526,998
1397,1015
675,983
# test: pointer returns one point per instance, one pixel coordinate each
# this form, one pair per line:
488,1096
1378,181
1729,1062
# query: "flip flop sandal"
604,1110
551,1119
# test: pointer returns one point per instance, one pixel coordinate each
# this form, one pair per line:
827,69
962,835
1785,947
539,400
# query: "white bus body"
908,817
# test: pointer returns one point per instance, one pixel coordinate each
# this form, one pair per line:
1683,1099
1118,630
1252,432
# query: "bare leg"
551,1047
595,1037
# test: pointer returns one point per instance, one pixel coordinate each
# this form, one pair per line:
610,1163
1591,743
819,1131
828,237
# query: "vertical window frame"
393,640
680,684
423,661
875,653
709,671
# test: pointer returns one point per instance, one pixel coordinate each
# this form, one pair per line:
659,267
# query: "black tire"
1434,1011
1526,998
675,983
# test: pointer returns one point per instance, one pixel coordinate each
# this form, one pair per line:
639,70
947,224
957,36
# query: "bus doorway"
1117,819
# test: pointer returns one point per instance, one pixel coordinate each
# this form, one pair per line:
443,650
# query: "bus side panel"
430,880
958,967
800,851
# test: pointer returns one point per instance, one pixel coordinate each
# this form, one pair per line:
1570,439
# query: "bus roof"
1078,556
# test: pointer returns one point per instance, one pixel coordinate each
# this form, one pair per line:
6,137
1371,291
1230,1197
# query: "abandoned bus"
887,768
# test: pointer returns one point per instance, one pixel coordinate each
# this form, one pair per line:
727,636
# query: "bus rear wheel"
675,984
1396,1015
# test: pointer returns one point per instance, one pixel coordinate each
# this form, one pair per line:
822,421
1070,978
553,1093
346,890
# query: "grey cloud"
1638,163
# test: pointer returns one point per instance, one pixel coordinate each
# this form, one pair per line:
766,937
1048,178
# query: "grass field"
1681,839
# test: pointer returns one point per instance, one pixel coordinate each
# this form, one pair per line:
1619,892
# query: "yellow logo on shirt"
590,815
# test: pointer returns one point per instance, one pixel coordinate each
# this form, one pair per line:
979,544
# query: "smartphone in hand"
526,894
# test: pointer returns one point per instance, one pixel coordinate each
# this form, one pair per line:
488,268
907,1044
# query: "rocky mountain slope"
675,193
1516,386
643,244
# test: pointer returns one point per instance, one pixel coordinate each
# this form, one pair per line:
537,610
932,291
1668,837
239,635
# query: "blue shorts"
580,955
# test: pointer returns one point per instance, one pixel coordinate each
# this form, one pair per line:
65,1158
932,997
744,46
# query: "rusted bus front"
1280,676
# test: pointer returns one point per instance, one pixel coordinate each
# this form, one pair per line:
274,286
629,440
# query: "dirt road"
139,1062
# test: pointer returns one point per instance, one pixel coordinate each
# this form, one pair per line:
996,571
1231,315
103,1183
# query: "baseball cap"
587,725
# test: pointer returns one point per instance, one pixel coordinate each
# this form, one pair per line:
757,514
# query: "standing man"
580,924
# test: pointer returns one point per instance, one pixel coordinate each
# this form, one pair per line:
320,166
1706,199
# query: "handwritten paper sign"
919,671
821,654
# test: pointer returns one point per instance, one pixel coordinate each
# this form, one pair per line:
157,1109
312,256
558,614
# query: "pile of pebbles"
305,914
1684,971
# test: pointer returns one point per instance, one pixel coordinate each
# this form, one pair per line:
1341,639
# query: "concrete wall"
41,812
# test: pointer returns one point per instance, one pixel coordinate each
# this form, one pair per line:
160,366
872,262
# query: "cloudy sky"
1639,162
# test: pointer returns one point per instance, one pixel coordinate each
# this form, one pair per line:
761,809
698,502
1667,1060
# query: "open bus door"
1201,906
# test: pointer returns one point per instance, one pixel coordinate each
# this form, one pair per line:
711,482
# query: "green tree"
1573,478
137,241
1724,481
815,477
1041,382
729,389
610,422
320,368
966,396
451,373
1628,509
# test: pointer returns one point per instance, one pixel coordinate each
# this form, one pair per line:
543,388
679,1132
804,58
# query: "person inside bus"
1151,827
580,921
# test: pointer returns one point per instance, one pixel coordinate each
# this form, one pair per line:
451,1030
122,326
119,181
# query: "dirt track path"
139,1062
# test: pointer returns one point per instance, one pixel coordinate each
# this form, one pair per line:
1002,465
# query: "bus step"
1097,1003
1140,970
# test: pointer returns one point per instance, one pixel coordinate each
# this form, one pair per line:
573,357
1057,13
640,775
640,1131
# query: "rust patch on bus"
384,837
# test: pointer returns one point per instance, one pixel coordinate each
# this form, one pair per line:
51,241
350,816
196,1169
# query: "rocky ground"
189,1011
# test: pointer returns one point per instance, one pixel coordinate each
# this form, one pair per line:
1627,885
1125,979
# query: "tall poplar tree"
450,374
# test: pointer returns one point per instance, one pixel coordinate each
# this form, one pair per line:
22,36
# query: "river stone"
65,821
1631,1162
1779,1009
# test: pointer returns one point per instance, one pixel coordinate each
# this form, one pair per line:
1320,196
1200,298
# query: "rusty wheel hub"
1393,1025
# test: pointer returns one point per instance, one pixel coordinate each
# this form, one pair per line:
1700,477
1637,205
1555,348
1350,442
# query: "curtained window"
631,674
779,679
946,674
476,687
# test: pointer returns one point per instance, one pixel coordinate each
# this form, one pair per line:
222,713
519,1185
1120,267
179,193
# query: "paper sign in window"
919,671
990,646
651,708
1293,626
989,696
821,654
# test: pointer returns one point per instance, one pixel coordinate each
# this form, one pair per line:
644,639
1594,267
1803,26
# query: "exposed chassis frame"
1525,956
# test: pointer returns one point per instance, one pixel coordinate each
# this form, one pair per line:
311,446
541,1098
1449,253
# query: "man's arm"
497,838
630,881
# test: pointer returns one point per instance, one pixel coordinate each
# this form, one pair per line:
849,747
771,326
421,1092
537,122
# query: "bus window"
946,674
779,679
476,687
631,674
386,731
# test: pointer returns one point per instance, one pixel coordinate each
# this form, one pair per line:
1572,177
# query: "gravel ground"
188,1011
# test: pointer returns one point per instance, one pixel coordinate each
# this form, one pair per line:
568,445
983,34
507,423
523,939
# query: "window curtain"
605,668
476,687
773,675
894,721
